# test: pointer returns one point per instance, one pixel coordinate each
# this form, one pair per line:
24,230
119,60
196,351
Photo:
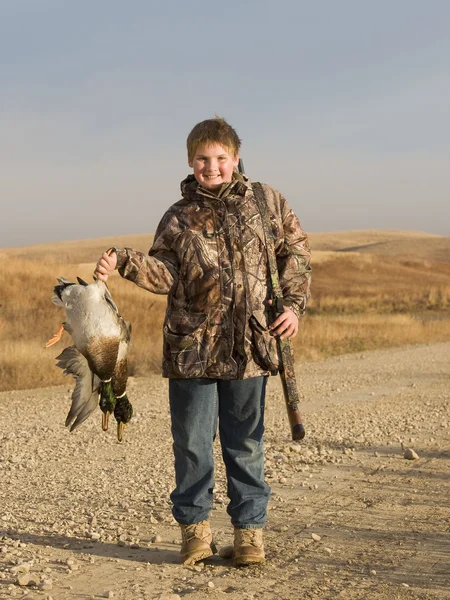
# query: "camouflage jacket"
209,256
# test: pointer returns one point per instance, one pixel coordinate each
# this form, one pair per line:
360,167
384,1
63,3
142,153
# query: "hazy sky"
342,105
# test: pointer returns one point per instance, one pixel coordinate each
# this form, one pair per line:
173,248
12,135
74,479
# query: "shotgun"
286,369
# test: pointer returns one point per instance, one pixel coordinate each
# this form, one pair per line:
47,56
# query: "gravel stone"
20,568
24,579
410,454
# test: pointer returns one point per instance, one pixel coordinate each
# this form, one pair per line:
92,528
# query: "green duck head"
107,402
123,412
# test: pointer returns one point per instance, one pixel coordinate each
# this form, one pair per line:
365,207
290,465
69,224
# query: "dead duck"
98,359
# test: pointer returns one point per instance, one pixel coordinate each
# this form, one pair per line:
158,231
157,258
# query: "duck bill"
105,420
120,430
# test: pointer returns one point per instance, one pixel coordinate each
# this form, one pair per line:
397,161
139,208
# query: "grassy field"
371,289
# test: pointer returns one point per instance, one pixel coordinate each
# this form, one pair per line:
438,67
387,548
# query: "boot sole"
247,562
194,557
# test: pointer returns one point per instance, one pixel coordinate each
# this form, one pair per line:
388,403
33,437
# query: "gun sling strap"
285,345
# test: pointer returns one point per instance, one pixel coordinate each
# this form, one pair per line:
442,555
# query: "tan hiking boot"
197,542
248,547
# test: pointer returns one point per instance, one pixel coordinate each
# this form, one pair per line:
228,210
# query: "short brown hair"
213,131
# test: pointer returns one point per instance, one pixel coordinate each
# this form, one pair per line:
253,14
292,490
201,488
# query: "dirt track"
91,518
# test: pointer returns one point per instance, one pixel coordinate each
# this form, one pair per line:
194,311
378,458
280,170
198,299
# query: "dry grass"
364,283
361,300
399,244
324,335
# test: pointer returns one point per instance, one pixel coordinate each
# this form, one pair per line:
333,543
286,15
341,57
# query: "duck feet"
53,340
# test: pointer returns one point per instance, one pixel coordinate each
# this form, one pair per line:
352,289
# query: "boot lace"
250,537
201,531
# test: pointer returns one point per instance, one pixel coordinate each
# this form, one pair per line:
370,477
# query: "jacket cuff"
297,308
121,254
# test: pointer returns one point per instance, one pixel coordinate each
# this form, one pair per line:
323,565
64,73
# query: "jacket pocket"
185,345
265,346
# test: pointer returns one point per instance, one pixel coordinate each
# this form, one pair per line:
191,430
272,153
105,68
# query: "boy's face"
213,165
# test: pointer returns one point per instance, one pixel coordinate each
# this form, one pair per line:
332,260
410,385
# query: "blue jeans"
196,405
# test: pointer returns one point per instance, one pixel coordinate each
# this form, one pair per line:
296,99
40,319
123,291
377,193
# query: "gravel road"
82,516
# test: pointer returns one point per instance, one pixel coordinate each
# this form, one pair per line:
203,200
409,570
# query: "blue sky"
343,106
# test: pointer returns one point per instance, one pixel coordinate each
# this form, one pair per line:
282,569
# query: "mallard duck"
98,359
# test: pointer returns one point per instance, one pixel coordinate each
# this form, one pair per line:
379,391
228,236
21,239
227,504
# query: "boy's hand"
105,266
286,324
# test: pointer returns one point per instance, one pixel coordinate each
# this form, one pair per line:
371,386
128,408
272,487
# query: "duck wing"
86,392
109,300
86,411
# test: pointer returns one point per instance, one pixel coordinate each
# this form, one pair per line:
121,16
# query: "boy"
209,256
